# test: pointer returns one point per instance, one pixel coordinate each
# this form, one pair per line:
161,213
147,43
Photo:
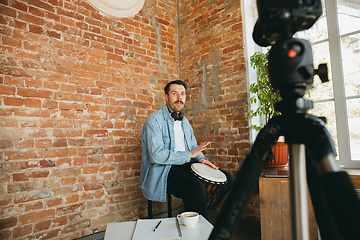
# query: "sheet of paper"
145,229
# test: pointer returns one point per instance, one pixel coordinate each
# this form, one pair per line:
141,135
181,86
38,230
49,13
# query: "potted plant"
266,98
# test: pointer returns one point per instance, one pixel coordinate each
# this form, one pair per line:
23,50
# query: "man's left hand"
204,161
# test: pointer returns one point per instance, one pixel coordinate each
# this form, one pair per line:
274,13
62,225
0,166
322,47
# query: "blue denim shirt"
158,154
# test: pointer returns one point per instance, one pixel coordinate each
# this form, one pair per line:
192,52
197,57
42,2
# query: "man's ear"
166,98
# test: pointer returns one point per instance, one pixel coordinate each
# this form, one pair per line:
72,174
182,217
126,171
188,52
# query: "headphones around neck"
177,117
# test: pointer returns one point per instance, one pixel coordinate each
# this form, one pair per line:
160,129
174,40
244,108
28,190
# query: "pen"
178,227
157,226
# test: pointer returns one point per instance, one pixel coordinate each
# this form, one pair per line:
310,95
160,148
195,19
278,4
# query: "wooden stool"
150,215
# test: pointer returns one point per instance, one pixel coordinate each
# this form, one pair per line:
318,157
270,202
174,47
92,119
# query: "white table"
125,230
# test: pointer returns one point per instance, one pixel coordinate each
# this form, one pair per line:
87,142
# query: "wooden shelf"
275,207
275,210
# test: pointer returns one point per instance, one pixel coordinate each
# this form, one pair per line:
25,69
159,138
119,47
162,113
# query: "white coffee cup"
189,219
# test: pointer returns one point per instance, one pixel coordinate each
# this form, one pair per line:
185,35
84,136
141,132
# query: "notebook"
276,173
168,229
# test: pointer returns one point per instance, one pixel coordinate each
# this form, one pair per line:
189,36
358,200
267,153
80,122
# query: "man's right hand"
198,149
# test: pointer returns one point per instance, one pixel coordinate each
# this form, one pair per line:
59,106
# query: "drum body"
214,181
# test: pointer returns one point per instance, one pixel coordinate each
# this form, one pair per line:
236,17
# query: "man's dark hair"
179,82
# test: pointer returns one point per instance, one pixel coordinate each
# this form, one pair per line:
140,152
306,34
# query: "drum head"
208,172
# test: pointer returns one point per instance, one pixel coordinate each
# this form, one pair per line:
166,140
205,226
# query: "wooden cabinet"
275,210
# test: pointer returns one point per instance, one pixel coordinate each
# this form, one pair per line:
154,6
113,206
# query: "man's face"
176,98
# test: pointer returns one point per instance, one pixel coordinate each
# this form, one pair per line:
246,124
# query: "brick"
68,181
5,144
65,190
33,206
63,133
8,222
20,177
96,91
8,11
63,163
53,34
8,90
41,226
42,5
95,37
18,5
16,34
31,19
23,154
104,219
47,163
54,202
36,29
65,106
90,170
39,174
79,161
5,234
27,197
96,133
92,186
25,92
63,70
36,103
68,97
61,27
72,199
27,186
34,217
70,209
78,226
67,88
36,12
60,143
57,152
106,169
61,221
21,231
115,57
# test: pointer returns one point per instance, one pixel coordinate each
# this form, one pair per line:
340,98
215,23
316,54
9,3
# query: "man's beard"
175,107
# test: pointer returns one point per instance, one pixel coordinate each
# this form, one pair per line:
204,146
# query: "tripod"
312,156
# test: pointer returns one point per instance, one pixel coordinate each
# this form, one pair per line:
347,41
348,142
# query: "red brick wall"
212,62
75,89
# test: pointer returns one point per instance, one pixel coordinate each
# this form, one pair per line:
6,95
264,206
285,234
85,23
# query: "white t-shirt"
179,136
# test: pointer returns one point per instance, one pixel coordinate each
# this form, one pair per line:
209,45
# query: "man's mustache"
179,102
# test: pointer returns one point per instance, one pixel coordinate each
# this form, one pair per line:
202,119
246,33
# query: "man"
169,148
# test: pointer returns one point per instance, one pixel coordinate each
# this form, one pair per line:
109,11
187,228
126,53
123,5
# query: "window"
339,99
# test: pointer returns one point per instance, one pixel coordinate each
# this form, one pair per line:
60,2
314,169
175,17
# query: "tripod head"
281,19
291,69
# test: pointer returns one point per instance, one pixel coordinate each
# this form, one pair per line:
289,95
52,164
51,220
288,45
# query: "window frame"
344,151
338,85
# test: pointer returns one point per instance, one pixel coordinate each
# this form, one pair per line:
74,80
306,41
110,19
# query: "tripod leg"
245,182
298,190
324,218
337,187
344,202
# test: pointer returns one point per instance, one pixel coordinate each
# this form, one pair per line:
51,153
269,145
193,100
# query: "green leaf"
262,90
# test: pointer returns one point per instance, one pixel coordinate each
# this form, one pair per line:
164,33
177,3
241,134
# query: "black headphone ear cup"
177,117
174,116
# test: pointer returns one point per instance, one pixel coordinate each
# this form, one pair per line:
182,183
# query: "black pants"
183,184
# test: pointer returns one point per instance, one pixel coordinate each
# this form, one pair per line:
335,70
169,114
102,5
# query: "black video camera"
281,19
